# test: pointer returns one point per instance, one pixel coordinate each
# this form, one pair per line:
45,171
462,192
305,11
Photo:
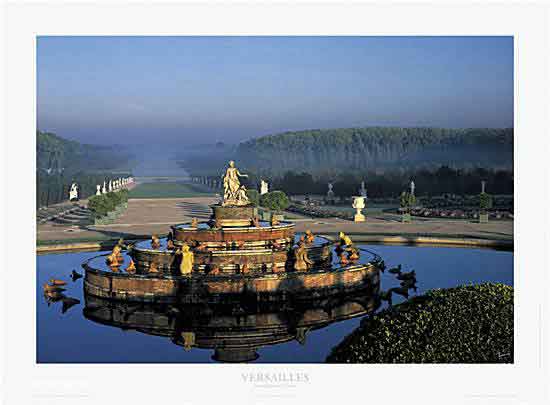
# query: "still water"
79,329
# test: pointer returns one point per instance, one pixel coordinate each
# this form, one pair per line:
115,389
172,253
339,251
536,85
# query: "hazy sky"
202,89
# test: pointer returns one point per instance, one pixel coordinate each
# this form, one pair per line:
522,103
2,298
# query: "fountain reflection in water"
233,332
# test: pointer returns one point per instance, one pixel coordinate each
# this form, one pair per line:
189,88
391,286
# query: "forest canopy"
332,151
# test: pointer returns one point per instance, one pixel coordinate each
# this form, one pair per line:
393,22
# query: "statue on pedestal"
363,190
98,189
330,192
234,192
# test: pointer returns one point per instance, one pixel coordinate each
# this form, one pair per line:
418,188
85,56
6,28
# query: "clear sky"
203,89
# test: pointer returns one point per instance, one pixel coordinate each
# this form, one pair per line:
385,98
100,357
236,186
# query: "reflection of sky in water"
70,337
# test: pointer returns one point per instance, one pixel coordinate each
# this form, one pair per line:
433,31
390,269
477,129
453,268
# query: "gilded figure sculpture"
155,242
115,258
187,259
302,261
131,268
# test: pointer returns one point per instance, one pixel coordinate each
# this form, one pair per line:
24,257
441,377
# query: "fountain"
233,333
230,258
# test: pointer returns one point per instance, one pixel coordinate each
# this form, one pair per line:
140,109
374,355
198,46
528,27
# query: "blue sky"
203,89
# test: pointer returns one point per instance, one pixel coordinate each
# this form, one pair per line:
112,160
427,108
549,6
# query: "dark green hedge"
105,203
467,324
275,201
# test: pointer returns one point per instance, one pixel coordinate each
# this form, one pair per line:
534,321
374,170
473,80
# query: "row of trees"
60,162
55,154
442,180
333,151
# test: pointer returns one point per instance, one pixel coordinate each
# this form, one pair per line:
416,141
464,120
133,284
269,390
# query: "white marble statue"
98,189
412,187
264,187
234,193
73,192
363,190
104,189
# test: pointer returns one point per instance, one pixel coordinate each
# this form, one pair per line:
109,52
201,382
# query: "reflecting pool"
75,328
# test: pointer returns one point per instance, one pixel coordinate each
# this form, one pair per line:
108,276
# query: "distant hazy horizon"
200,90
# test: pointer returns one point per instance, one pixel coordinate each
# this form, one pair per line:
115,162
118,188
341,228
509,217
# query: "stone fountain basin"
203,233
199,287
257,255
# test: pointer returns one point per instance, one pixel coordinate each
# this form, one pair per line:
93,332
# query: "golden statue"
353,254
115,258
233,192
131,268
153,268
345,240
188,340
309,237
302,261
155,242
187,258
194,223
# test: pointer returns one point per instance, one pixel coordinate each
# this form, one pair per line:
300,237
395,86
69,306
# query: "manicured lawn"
168,190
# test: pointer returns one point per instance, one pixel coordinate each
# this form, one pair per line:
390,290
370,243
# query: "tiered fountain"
233,257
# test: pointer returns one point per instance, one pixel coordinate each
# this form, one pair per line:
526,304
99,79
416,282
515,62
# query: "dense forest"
386,158
333,151
59,162
56,154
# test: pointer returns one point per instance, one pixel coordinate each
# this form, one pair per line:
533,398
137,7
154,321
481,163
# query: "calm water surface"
65,335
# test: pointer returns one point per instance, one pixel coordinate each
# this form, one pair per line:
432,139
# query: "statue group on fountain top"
233,192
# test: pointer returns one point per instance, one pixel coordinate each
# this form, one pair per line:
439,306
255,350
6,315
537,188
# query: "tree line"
60,162
54,188
443,180
332,151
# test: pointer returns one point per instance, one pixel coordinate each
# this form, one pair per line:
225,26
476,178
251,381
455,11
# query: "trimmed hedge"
102,204
466,324
275,201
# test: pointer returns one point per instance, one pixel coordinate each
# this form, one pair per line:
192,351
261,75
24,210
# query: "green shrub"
485,201
102,204
275,201
467,324
407,200
253,196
